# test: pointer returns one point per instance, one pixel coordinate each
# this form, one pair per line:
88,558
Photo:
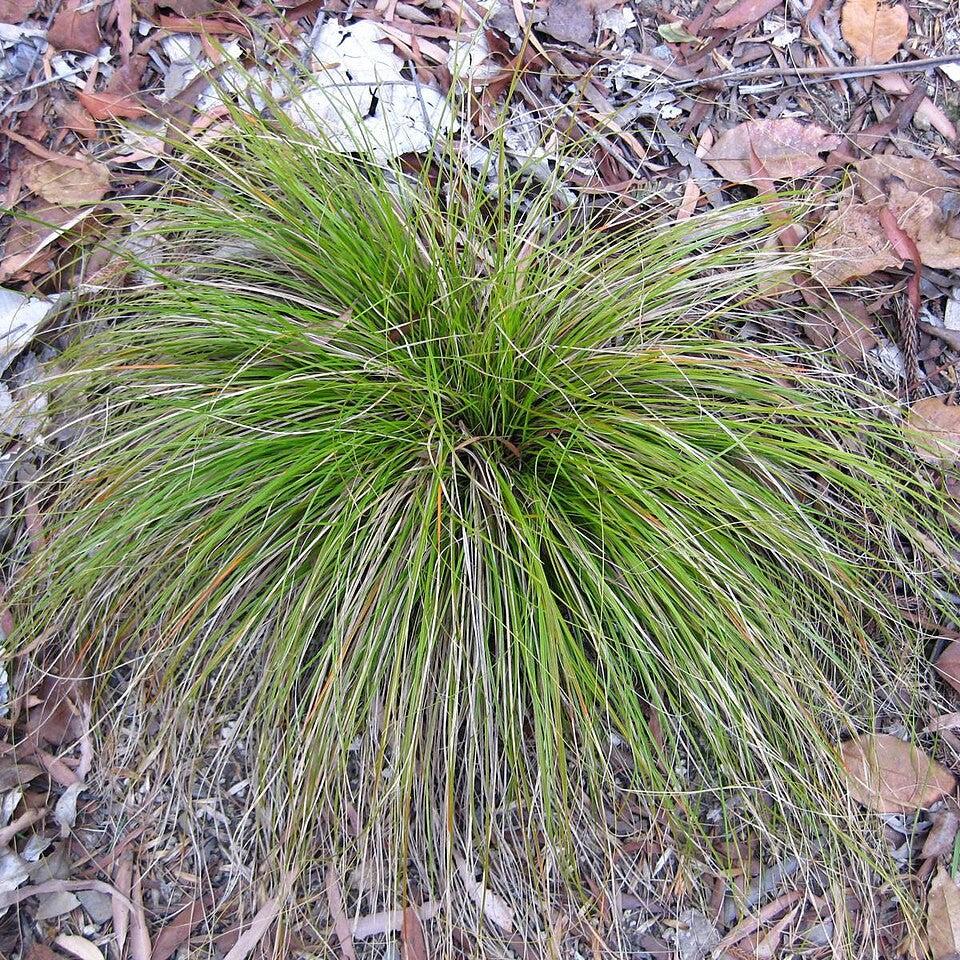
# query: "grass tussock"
479,517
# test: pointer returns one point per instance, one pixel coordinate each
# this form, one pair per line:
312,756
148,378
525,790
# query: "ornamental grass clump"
474,513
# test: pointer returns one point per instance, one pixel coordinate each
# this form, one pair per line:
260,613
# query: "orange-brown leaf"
935,431
943,916
873,29
888,775
784,148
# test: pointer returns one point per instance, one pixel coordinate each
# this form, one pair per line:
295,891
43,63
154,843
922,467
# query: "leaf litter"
663,83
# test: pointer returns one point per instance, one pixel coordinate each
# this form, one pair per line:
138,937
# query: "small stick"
828,73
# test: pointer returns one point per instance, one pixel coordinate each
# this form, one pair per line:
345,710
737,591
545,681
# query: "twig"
827,73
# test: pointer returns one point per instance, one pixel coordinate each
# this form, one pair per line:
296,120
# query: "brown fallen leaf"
341,924
923,199
888,775
16,11
412,936
783,148
939,841
934,431
68,186
948,663
744,12
177,932
77,119
108,106
75,28
943,916
570,21
851,243
140,947
927,111
873,29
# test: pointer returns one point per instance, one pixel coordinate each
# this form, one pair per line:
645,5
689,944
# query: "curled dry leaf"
784,148
68,186
934,431
939,841
924,200
888,775
948,663
943,916
851,243
873,29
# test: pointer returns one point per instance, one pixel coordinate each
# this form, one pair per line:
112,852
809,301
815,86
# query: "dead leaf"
65,812
888,775
109,106
412,936
12,773
924,201
948,663
68,186
935,432
851,243
494,907
27,239
140,948
940,839
744,12
769,946
943,916
77,119
570,21
341,925
123,881
16,11
79,947
177,932
927,111
873,29
389,921
74,28
56,905
258,927
784,148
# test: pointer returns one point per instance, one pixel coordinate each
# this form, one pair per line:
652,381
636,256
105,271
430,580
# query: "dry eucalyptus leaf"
16,11
79,947
935,432
785,148
874,30
495,908
888,775
923,199
69,186
943,916
56,905
939,841
850,244
77,29
948,663
570,21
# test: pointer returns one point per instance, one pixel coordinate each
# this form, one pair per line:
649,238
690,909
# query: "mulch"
699,102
